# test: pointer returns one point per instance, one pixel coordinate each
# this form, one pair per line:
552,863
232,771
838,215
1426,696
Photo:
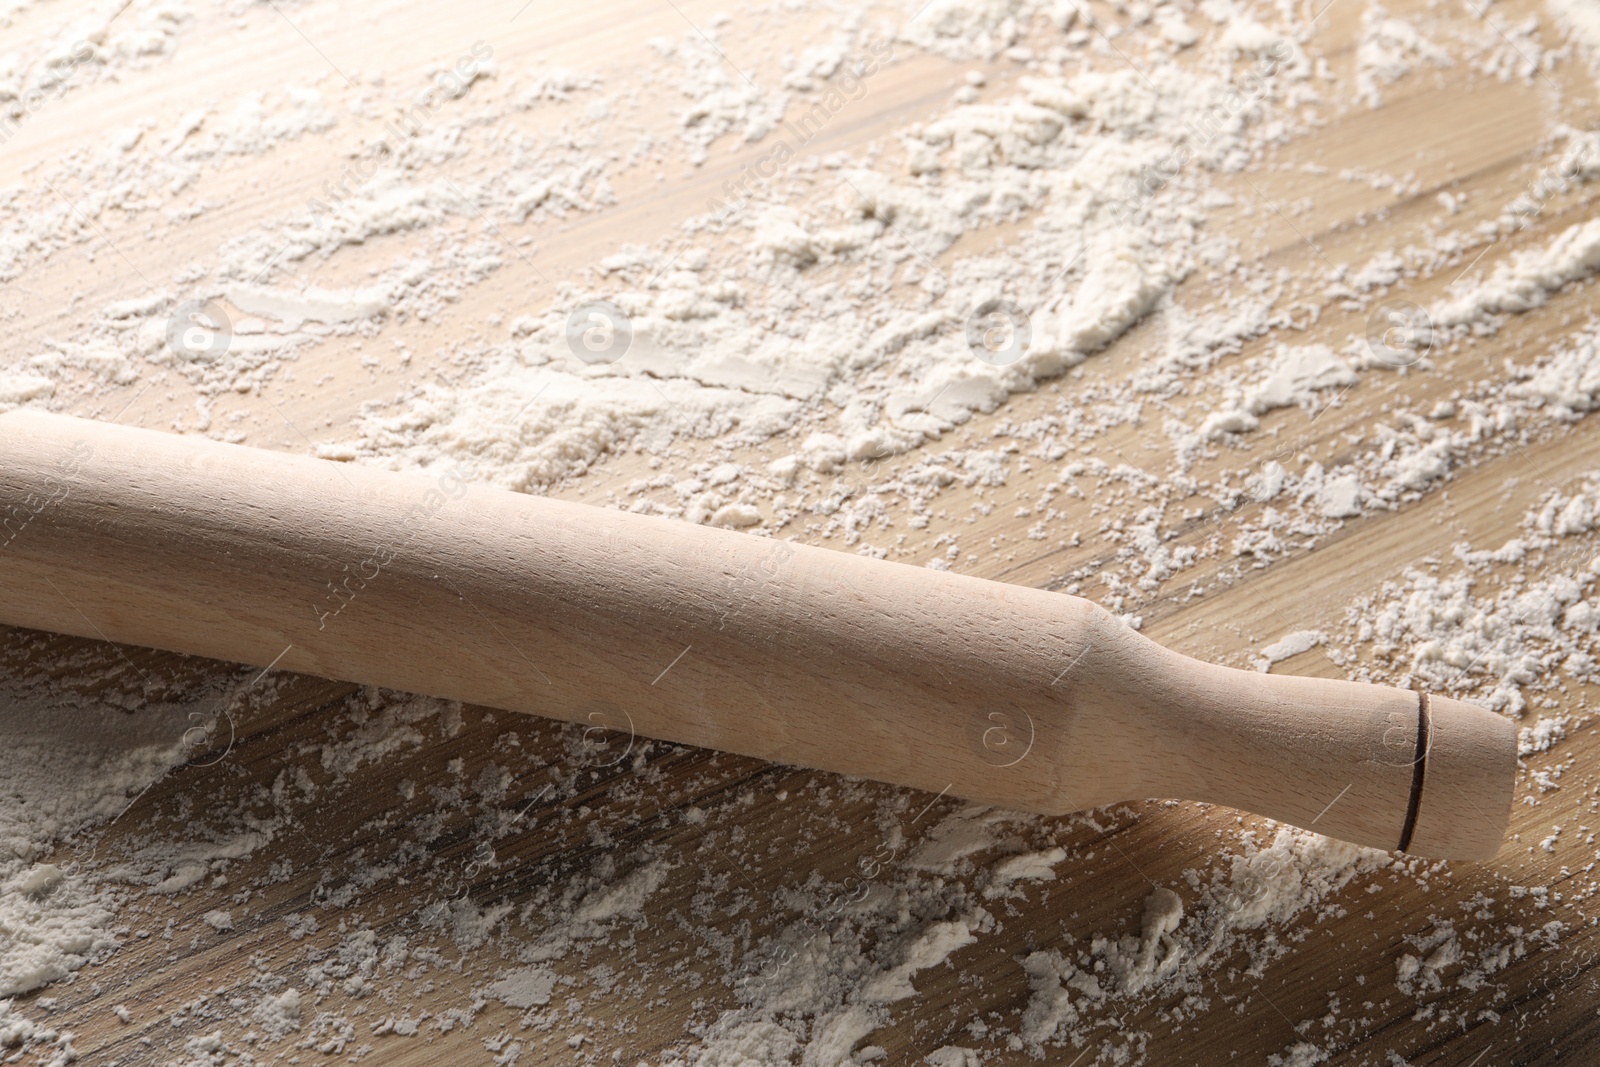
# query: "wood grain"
741,829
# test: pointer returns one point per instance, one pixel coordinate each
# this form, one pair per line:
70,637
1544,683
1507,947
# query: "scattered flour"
827,313
1288,646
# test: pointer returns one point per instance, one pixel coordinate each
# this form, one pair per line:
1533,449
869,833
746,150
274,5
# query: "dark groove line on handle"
1419,771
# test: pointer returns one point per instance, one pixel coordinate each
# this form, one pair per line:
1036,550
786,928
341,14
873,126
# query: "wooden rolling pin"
1002,694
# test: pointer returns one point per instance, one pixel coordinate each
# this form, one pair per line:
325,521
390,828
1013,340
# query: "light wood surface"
757,825
987,691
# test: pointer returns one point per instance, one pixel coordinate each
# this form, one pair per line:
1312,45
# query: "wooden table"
737,830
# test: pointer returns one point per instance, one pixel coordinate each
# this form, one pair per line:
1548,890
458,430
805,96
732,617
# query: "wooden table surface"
737,829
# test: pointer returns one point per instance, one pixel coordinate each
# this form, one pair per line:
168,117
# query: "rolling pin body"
1003,694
